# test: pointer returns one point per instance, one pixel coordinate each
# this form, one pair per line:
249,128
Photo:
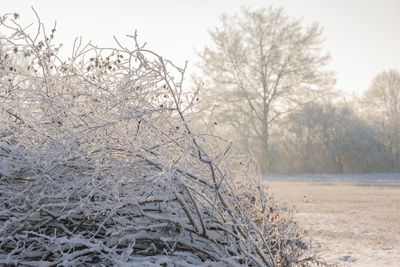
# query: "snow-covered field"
354,219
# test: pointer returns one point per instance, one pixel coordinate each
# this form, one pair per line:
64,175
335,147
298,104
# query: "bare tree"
383,99
329,138
263,65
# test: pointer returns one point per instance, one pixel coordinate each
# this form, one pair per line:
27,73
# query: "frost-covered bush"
99,166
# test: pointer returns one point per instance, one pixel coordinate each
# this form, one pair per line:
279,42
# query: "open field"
352,223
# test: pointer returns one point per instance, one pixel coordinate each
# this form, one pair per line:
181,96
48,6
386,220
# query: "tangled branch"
99,164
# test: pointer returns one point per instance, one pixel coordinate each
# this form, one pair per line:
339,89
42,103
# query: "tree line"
267,87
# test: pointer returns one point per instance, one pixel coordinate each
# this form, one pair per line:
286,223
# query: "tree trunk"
265,157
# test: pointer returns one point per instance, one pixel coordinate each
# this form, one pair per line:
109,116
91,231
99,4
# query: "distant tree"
329,138
383,101
262,65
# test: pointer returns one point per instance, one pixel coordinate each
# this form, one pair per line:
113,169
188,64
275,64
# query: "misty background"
266,85
304,86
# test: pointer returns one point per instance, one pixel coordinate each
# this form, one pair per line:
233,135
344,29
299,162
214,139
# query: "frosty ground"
353,219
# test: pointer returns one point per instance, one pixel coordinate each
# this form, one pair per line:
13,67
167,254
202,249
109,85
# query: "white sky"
362,36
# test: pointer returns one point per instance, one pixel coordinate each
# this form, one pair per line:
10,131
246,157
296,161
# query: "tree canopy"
383,101
261,66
